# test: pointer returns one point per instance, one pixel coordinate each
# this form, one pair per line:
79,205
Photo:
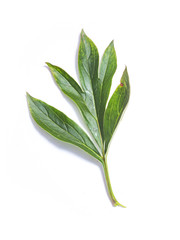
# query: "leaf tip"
126,71
112,43
82,33
125,78
47,63
50,66
29,98
28,95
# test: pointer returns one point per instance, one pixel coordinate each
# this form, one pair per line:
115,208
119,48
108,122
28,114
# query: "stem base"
111,194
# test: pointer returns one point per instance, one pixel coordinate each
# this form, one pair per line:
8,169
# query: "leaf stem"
111,194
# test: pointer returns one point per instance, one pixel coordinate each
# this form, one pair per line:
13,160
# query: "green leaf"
66,83
88,62
107,69
116,107
60,126
71,88
91,98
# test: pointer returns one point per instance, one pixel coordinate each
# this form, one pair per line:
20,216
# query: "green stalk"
111,194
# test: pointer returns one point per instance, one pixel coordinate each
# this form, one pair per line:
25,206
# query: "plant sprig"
91,99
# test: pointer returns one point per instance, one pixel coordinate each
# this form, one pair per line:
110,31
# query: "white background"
51,190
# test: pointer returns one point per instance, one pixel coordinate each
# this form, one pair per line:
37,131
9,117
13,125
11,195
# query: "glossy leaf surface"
116,107
60,126
88,63
71,88
107,69
91,99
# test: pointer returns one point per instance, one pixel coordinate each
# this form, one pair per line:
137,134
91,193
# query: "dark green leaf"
60,126
107,69
71,88
88,61
91,98
116,107
66,83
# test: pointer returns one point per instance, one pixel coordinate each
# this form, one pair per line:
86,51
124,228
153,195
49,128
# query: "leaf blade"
88,63
66,83
71,88
116,107
107,69
60,126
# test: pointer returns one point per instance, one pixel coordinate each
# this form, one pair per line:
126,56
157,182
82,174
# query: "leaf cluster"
91,98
